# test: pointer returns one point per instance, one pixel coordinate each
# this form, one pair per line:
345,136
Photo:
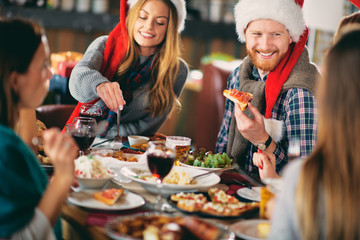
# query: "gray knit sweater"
85,77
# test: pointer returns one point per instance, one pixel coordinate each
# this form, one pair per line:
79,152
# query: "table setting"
147,191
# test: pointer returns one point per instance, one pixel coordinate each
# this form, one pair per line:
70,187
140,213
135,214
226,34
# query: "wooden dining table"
83,223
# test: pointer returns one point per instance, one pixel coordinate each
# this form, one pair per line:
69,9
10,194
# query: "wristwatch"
263,146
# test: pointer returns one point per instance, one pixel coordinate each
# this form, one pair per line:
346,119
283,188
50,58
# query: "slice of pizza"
242,98
190,205
188,196
109,196
219,196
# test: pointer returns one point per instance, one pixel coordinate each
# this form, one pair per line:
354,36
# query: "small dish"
136,139
248,229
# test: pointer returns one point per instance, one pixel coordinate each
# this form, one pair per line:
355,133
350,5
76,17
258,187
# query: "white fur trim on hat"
180,7
286,12
275,128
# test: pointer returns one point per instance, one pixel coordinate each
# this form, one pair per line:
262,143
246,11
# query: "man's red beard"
264,65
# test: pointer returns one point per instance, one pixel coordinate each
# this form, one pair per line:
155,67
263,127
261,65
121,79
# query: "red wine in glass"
160,166
84,141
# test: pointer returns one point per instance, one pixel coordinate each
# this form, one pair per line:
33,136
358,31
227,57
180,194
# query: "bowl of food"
90,173
135,140
178,180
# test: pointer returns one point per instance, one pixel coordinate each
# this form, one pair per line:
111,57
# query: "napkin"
228,179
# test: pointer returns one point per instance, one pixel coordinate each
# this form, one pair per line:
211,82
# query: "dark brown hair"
19,41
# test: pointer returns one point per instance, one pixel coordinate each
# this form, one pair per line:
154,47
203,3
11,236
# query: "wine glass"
91,110
82,130
160,158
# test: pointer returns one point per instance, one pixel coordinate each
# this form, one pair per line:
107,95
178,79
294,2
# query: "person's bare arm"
62,150
27,127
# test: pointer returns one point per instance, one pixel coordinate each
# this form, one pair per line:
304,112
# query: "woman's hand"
266,163
62,150
111,94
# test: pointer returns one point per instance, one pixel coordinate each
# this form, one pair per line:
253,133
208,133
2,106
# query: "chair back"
54,115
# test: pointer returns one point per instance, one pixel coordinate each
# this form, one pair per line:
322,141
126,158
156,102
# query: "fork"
117,139
207,173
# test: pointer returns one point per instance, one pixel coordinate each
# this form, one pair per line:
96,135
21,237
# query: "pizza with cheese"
242,98
109,196
219,203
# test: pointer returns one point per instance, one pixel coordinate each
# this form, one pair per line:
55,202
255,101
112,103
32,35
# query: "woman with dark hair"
29,204
136,69
320,199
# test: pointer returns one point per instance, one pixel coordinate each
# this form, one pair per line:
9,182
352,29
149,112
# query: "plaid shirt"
297,108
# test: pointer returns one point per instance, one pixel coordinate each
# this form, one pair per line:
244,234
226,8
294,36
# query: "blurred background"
210,47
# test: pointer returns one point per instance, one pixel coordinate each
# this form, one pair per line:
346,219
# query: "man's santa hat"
287,12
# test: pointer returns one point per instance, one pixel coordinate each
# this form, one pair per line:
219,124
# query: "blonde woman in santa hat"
29,204
136,69
278,72
320,199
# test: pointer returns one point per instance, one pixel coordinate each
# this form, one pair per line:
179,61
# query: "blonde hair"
166,65
15,56
330,176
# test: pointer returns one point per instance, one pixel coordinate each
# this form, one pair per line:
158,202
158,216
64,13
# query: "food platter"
209,215
84,198
112,227
248,229
135,173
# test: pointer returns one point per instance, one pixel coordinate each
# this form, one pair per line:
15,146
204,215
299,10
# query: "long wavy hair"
19,41
330,178
161,97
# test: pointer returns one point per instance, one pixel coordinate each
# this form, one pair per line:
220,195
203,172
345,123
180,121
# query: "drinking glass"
181,145
91,110
82,130
160,158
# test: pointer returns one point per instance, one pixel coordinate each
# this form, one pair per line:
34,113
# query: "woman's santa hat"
180,6
118,43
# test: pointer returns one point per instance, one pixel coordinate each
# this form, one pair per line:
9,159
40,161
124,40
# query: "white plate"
201,168
247,229
251,194
84,198
167,189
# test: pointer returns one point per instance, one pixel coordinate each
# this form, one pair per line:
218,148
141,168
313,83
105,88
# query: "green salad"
201,158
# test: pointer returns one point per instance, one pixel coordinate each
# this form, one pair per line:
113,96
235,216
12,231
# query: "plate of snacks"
176,181
154,225
252,229
112,198
208,161
214,203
